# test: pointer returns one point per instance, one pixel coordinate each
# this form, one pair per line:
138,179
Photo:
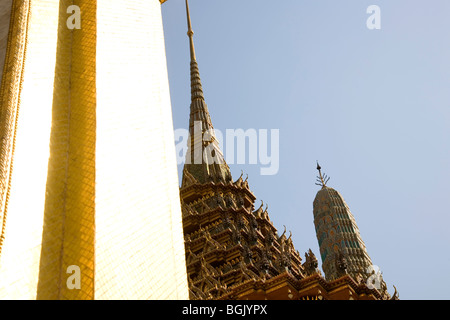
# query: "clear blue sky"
373,106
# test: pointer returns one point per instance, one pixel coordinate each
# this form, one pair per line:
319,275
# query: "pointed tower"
341,246
229,245
204,159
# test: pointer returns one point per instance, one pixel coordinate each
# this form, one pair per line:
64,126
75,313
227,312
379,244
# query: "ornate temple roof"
233,251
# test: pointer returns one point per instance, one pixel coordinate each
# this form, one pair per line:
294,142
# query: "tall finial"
196,84
190,33
321,179
207,170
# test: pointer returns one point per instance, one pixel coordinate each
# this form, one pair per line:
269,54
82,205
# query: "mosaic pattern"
69,216
337,231
341,246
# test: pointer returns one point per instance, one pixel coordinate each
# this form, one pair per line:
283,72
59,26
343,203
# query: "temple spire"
204,159
196,84
190,33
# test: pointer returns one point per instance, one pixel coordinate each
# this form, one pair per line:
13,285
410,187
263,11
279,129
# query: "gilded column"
69,216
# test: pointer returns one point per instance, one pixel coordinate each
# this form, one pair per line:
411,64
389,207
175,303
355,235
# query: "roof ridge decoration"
322,180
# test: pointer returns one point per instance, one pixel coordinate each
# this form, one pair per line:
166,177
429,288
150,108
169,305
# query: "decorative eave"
202,238
333,286
194,219
198,188
266,285
217,255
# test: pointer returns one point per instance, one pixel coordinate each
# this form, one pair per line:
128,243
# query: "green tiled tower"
341,247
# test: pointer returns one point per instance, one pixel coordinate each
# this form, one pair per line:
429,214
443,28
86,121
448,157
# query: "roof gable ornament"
322,180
